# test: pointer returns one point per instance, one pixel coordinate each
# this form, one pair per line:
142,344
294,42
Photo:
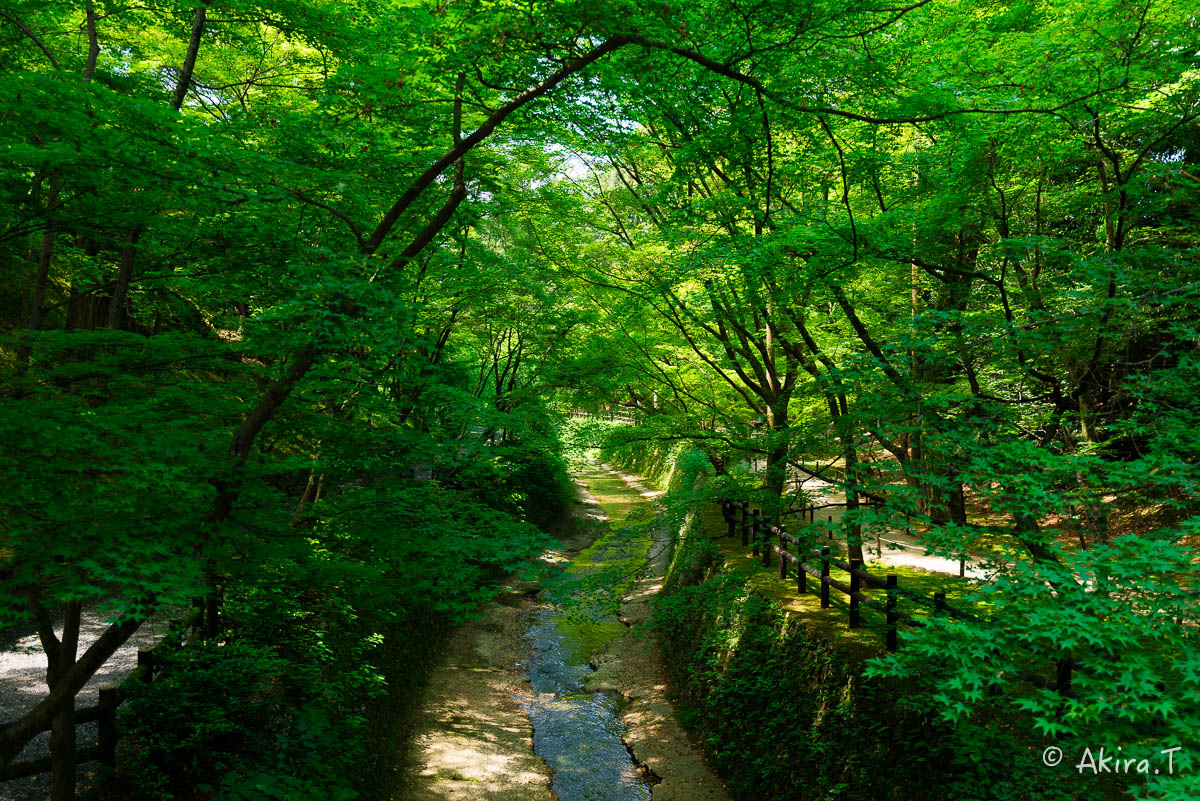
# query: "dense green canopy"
300,294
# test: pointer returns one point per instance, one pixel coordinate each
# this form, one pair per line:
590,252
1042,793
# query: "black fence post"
855,585
745,507
107,726
891,612
145,661
801,575
766,544
782,553
939,603
211,622
755,525
730,518
825,577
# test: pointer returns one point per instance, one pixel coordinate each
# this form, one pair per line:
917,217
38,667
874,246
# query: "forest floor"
472,738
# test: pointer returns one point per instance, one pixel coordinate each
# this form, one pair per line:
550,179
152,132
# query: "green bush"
235,720
303,695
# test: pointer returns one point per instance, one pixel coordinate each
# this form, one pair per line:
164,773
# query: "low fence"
203,620
768,540
893,545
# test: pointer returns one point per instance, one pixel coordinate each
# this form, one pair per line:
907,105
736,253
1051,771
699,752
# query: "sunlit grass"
832,623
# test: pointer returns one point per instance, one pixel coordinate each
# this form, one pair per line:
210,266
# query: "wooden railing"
767,539
202,621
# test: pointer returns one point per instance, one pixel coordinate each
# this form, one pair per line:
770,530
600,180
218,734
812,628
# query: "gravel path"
23,685
895,546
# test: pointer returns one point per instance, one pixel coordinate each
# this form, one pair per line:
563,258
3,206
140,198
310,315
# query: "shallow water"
577,733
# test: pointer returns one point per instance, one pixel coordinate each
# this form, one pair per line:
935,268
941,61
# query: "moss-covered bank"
785,714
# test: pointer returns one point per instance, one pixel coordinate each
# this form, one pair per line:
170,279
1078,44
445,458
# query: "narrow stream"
577,733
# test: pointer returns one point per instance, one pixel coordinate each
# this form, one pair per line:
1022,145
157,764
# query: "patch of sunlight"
459,759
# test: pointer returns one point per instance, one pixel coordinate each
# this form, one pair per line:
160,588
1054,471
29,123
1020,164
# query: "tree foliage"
307,287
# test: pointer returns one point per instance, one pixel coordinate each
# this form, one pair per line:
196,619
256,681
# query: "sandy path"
472,740
23,685
895,546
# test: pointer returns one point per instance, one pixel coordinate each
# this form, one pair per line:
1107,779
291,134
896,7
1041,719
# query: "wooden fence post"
825,577
855,585
107,726
755,525
891,612
211,622
766,544
745,507
730,518
146,664
801,574
782,553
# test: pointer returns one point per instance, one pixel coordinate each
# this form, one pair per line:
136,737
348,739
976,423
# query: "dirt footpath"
473,741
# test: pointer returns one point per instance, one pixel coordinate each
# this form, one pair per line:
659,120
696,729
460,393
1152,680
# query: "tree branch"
15,20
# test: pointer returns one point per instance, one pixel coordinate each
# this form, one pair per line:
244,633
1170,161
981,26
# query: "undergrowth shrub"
234,720
326,638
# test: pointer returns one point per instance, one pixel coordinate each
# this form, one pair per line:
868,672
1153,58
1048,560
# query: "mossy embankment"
780,700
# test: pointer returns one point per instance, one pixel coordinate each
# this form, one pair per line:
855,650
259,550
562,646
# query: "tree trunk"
189,61
839,410
116,308
62,731
82,305
71,680
38,301
775,478
853,527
